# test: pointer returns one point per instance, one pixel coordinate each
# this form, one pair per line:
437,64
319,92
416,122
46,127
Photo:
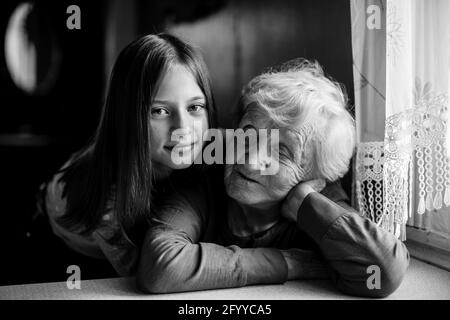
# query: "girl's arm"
173,260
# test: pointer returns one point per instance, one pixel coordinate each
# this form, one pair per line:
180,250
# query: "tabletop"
422,281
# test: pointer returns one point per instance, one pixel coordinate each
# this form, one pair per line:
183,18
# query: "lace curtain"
401,51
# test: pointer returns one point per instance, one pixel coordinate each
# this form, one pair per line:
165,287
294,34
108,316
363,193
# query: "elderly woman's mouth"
245,177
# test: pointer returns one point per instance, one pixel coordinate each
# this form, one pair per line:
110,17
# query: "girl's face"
178,119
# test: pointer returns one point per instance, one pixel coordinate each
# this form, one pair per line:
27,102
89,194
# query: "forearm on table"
171,262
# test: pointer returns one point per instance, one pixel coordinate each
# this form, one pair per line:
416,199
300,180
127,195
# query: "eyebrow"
197,98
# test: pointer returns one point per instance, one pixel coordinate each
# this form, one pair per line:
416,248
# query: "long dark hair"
116,165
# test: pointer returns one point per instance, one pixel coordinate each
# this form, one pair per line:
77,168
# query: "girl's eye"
196,108
159,112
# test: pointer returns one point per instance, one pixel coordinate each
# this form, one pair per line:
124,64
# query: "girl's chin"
185,161
181,163
174,166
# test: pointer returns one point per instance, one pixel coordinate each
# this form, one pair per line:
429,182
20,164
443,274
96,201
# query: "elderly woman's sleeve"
173,259
353,247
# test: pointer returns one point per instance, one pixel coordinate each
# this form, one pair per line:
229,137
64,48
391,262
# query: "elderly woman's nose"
255,160
252,154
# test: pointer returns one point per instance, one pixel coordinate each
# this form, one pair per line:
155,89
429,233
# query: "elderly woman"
271,228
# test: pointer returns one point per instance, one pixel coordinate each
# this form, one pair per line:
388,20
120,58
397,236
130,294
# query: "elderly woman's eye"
284,152
249,127
285,155
159,112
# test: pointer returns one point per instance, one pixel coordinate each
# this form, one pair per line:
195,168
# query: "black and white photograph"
239,152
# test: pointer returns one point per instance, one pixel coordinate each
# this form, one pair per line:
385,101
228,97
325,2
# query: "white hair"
299,95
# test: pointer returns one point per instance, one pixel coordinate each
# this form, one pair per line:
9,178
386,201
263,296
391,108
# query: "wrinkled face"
246,184
178,118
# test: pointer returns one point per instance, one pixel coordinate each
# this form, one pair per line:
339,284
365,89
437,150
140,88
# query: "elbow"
386,276
392,273
157,277
146,283
161,270
377,279
151,286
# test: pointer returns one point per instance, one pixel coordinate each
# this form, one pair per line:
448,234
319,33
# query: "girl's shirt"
122,254
98,244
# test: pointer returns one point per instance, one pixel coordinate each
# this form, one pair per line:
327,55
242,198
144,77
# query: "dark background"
38,132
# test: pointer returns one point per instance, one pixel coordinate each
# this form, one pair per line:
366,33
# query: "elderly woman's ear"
295,197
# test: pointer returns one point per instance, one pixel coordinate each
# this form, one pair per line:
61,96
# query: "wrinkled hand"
295,197
304,264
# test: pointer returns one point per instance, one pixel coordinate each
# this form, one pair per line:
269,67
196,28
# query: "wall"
243,38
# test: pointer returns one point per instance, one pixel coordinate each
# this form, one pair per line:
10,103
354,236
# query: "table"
422,281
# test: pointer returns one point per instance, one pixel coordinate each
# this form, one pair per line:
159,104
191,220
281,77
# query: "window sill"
428,247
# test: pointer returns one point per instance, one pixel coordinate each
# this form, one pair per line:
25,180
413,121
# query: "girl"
101,199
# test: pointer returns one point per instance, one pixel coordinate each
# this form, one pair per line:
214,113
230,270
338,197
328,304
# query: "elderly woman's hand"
295,197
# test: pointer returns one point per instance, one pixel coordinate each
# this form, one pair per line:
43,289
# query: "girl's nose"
182,127
181,120
183,136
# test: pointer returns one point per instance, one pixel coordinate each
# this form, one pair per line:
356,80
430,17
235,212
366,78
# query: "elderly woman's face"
246,184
